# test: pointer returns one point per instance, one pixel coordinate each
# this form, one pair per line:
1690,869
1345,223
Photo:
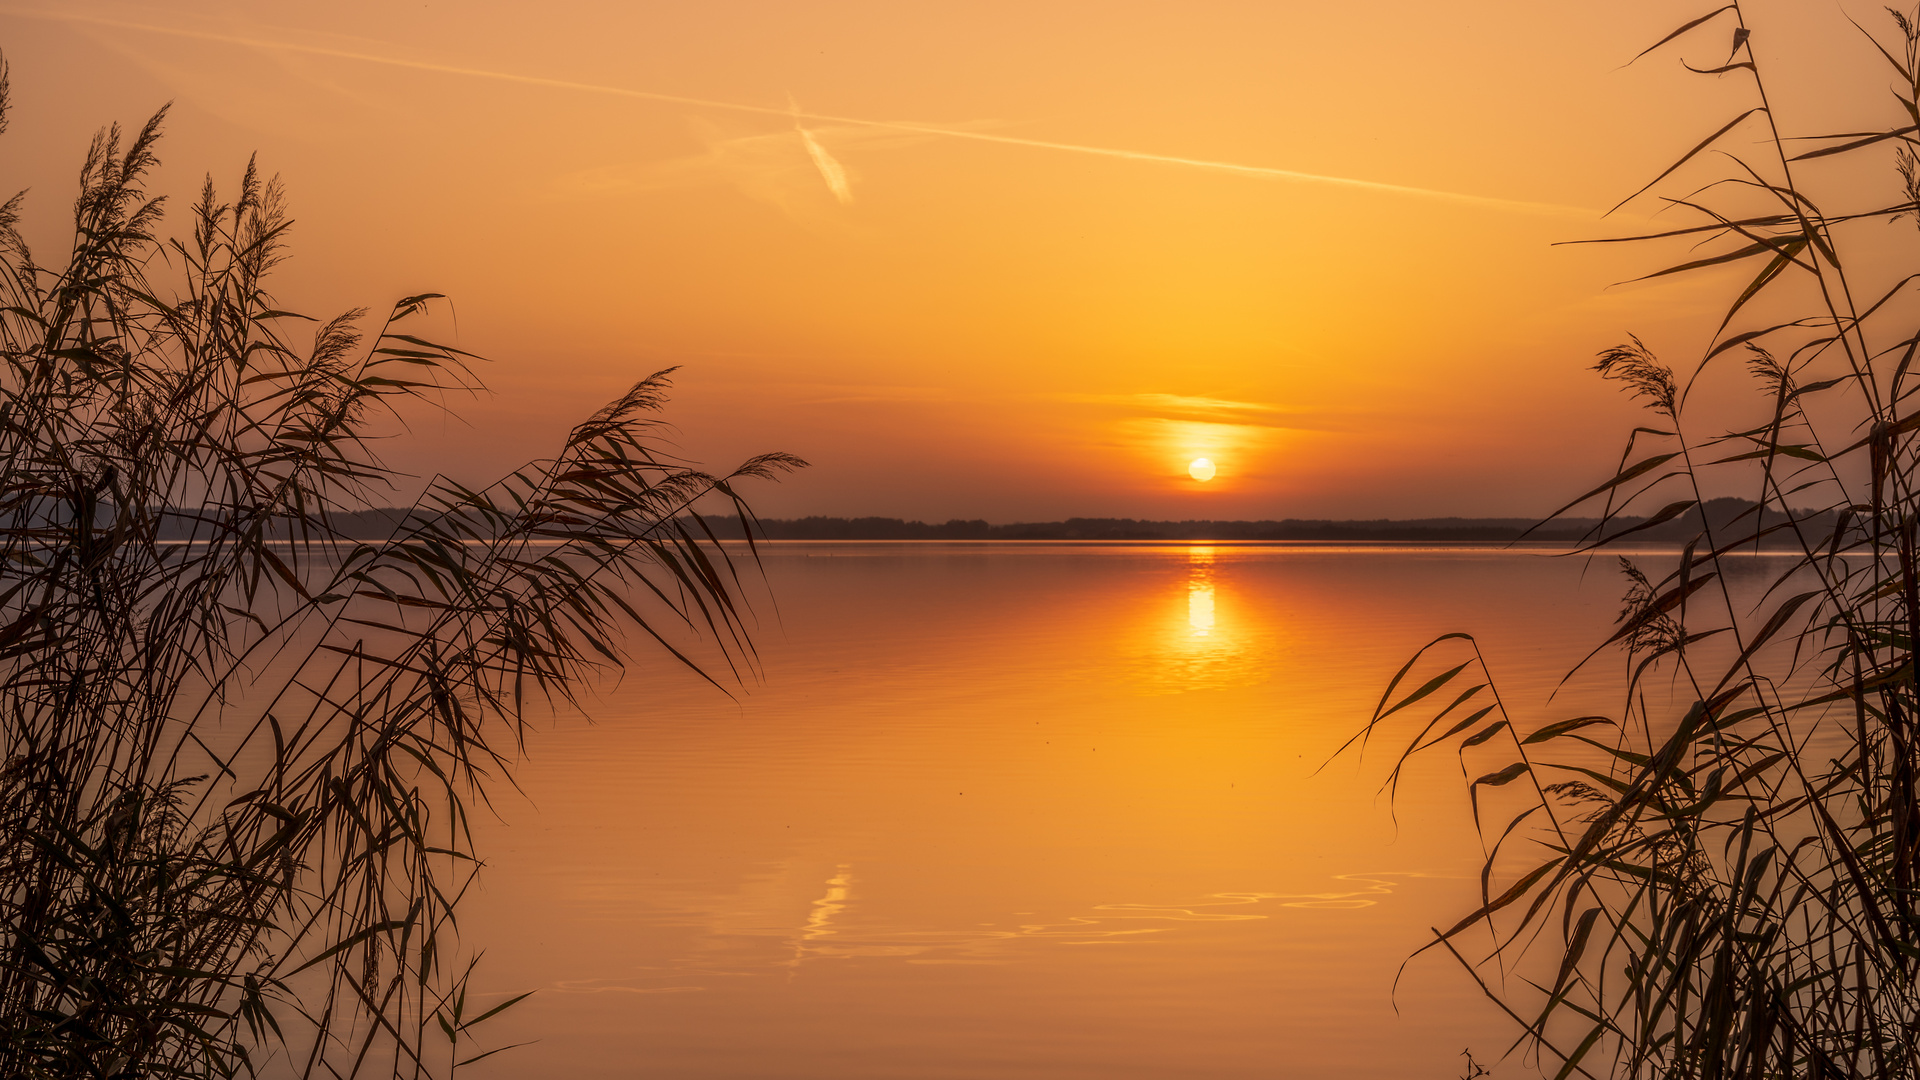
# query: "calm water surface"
1037,811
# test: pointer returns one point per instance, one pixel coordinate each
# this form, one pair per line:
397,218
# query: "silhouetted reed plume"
1725,886
239,749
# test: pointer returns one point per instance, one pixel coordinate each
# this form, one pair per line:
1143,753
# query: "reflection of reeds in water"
1729,884
239,749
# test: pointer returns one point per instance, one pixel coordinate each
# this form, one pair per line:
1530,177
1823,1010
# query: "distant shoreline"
1683,527
1434,530
1445,530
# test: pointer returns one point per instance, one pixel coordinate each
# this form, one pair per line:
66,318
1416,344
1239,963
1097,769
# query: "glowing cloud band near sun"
1486,202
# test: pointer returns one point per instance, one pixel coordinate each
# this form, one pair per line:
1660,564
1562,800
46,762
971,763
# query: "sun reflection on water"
1214,642
1200,590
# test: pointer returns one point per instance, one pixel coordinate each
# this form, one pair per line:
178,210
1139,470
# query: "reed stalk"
240,749
1719,878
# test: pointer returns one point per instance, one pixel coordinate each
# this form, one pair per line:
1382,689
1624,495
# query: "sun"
1201,470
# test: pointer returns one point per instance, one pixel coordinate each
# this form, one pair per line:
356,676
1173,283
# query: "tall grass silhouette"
239,748
1718,880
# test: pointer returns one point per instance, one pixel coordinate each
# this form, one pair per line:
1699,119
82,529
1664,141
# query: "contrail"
1483,201
834,173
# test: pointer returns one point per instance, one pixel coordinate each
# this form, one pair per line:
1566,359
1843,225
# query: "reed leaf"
1731,875
242,736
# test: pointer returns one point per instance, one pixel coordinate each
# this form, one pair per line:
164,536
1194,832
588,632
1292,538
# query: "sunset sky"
1017,261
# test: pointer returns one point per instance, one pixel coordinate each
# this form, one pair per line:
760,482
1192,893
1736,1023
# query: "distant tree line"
1720,513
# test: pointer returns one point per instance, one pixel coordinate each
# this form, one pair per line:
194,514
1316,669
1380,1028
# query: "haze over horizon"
990,260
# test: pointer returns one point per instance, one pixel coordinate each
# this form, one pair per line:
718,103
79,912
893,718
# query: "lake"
1024,811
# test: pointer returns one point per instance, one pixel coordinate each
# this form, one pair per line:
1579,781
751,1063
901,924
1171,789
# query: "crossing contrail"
834,173
1482,201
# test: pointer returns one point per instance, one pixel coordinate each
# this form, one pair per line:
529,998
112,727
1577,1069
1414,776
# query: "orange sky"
1017,261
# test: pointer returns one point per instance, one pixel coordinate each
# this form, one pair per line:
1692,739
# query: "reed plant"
240,744
1718,878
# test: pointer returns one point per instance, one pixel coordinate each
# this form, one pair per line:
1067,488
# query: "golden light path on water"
1200,591
1032,812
